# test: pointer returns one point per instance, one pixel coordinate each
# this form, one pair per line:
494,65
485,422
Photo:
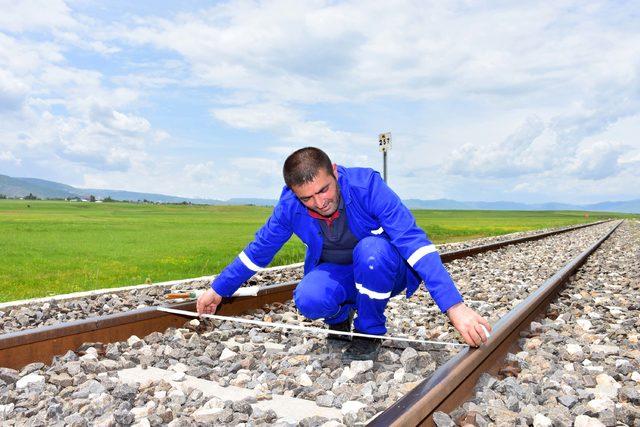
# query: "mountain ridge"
21,187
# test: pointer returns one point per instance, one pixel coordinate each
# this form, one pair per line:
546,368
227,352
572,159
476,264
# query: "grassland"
53,247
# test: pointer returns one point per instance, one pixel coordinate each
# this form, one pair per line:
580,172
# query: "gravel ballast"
580,365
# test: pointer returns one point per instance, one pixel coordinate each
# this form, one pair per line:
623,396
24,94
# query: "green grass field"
54,247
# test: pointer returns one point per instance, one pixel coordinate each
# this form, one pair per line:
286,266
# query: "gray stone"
587,421
629,394
606,350
74,368
512,403
124,417
31,367
607,417
31,380
409,359
325,400
6,411
540,420
112,352
108,365
199,371
560,416
360,366
606,387
567,400
207,415
242,406
177,396
9,375
500,414
88,388
485,381
227,355
61,380
75,420
442,420
315,421
124,392
624,367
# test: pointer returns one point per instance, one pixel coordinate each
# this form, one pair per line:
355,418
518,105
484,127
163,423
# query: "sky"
516,101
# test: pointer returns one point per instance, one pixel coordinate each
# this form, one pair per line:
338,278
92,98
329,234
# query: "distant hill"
20,187
43,189
629,206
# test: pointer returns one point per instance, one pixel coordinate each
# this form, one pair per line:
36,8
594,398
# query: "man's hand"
468,322
208,302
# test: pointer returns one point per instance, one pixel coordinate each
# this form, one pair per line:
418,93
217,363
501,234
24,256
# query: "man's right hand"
208,302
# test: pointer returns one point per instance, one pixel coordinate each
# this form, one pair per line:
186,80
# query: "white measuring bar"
304,328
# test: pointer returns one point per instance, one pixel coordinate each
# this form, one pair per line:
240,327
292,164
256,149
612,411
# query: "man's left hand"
468,322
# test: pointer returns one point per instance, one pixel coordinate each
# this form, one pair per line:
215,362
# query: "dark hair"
303,165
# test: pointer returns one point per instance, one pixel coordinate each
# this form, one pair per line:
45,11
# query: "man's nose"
319,202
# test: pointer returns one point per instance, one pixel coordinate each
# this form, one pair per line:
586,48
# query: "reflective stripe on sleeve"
247,262
372,294
419,253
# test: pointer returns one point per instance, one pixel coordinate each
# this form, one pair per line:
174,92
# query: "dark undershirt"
337,239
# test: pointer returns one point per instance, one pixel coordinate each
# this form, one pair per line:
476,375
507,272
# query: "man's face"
320,195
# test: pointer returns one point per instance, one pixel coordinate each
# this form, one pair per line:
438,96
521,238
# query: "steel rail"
462,253
20,348
453,383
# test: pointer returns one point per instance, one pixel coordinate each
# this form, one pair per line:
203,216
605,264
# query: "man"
363,247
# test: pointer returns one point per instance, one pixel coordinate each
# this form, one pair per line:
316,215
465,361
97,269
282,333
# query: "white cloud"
128,124
35,15
52,111
292,129
8,156
319,52
13,91
597,160
201,172
254,117
516,155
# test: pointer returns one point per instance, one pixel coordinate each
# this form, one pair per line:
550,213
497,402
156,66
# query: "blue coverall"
392,254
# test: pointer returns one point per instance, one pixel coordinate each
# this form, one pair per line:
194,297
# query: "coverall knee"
331,291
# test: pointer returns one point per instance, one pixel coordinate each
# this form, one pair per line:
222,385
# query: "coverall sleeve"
412,243
256,255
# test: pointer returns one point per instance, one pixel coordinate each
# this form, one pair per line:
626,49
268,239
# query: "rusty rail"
20,348
452,384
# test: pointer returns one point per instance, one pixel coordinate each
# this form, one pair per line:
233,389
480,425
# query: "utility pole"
384,143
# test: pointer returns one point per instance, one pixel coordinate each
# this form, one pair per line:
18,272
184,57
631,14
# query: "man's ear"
335,170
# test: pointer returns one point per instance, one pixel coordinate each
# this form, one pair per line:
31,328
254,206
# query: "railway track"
20,348
17,349
453,382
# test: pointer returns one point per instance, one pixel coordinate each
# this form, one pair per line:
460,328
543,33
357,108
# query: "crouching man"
363,247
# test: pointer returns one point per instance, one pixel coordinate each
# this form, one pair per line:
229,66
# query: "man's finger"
482,331
486,324
469,339
475,336
210,309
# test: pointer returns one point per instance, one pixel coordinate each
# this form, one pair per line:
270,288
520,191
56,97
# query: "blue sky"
502,101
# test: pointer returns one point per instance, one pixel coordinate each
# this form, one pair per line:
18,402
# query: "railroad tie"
304,328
